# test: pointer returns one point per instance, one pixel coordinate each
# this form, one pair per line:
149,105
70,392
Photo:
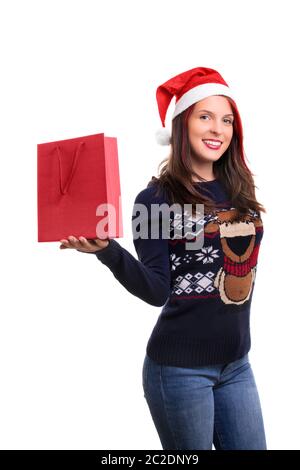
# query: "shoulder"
151,194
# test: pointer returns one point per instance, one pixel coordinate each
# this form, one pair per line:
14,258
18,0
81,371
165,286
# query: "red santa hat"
188,88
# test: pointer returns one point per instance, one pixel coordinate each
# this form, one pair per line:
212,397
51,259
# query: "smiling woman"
196,363
194,157
203,330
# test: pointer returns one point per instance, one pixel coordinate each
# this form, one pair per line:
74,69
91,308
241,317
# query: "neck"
206,176
203,170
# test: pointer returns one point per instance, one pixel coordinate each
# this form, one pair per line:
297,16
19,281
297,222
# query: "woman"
197,379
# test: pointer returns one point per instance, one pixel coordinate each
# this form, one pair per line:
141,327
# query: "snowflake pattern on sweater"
205,292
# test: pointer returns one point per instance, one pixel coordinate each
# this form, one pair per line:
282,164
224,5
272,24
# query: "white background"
72,339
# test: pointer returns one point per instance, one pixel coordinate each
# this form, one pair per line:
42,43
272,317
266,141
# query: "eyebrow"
210,112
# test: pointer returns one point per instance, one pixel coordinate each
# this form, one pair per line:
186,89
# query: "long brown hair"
175,176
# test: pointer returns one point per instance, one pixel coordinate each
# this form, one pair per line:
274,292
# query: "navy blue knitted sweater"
205,294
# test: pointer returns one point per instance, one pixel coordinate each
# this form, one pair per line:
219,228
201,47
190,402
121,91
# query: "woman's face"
212,118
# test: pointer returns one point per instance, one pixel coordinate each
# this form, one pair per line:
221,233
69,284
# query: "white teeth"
210,142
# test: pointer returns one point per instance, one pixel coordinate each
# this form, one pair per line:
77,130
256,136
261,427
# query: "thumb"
100,242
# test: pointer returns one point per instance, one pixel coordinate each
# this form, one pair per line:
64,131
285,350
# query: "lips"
213,147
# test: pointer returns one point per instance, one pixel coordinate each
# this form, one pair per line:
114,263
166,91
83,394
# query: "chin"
208,156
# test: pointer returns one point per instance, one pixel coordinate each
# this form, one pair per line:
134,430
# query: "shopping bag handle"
74,165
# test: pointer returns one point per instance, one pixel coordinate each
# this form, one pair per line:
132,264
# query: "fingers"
86,244
64,244
78,244
72,242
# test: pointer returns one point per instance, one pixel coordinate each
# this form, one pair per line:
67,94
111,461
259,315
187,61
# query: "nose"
216,129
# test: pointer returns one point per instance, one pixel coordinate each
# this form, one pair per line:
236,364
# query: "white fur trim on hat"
200,92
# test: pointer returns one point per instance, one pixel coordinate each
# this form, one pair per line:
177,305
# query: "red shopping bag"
79,188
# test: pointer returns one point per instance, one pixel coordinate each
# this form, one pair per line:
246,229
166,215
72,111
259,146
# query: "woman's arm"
148,277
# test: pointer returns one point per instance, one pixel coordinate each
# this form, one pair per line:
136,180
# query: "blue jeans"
195,407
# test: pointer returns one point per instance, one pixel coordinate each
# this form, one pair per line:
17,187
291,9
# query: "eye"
228,120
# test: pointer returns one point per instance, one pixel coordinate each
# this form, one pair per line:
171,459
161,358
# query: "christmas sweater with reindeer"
205,293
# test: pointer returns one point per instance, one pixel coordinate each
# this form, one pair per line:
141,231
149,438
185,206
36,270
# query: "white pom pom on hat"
163,136
188,88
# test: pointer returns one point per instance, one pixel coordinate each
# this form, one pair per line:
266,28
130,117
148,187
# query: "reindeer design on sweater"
238,246
236,277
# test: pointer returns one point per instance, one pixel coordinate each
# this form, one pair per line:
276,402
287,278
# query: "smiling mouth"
211,145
